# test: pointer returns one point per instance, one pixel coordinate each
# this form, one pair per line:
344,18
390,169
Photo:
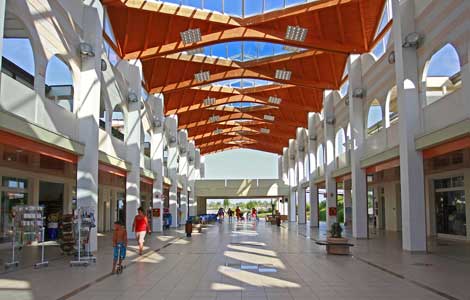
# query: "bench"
284,218
338,248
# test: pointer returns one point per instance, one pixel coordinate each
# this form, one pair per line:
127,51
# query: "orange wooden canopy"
151,32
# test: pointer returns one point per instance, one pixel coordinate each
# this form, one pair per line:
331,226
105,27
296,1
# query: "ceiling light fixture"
195,51
274,100
86,50
269,117
213,119
265,130
296,33
191,36
283,74
209,101
202,76
218,131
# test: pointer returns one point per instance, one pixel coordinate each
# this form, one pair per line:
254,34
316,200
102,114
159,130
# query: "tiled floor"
247,261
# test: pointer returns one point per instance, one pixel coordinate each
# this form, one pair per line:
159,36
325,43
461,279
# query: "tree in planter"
336,230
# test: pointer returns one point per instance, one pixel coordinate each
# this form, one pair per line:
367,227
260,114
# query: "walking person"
140,227
230,215
119,245
238,213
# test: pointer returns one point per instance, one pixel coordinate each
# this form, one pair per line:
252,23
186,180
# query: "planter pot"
340,249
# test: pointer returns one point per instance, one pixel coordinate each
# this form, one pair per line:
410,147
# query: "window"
381,46
374,118
19,60
343,91
442,75
59,83
14,183
340,141
391,107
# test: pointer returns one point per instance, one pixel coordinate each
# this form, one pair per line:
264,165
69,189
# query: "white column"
302,219
156,153
87,110
197,175
358,175
347,205
171,125
292,182
132,139
2,26
191,178
410,126
183,173
202,167
279,168
330,162
312,146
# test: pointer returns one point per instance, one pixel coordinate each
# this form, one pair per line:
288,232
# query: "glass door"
450,206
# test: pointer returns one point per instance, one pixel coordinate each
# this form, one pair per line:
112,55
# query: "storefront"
447,189
35,174
111,197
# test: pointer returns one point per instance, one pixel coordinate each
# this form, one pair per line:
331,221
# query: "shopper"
221,214
254,214
238,213
140,227
230,215
119,244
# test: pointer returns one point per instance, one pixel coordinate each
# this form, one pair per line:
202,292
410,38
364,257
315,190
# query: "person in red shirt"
140,227
238,213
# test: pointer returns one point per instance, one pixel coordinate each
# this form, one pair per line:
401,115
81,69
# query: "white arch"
340,140
391,107
442,73
374,117
59,83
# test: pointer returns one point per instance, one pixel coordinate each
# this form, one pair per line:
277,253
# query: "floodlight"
132,97
413,40
218,131
283,74
274,100
296,33
265,130
209,101
191,36
213,119
202,76
359,93
86,50
269,117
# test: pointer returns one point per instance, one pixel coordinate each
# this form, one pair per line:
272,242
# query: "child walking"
119,245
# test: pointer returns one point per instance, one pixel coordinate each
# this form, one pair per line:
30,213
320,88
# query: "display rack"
67,239
27,227
84,222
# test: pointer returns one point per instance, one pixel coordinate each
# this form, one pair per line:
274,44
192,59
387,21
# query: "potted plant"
188,228
336,243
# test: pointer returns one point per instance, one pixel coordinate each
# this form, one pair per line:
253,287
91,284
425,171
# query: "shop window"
14,183
450,206
374,118
442,75
59,83
391,107
340,141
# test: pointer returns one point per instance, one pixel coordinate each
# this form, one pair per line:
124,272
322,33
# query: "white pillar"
202,167
2,26
191,177
301,135
347,205
358,175
183,173
410,126
87,115
196,176
292,182
330,161
312,146
132,139
171,125
156,153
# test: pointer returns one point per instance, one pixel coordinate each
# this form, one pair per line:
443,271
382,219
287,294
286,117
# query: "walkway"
238,261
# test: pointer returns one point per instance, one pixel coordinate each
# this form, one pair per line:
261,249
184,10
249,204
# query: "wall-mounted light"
171,140
359,93
132,97
190,159
86,50
182,150
301,148
413,40
391,57
330,120
157,122
313,138
346,101
104,65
